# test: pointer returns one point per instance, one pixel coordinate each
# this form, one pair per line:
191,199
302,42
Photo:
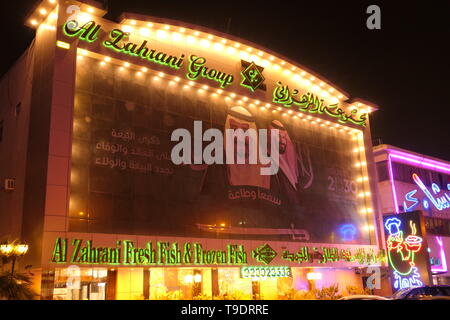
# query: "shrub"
202,297
328,293
354,290
292,294
234,295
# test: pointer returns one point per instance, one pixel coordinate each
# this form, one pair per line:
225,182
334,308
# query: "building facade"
414,182
96,110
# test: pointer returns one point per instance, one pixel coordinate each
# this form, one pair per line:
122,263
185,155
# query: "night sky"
404,68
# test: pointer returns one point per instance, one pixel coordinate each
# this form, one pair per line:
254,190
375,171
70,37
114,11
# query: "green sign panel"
165,253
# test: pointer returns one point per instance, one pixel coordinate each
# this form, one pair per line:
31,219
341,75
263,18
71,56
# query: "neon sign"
348,232
311,103
90,32
163,253
407,257
410,197
197,68
326,255
441,202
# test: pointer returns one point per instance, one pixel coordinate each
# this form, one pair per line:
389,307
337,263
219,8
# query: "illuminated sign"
348,232
252,76
88,32
264,254
265,272
118,42
411,201
309,102
439,202
163,253
406,249
430,198
197,68
326,255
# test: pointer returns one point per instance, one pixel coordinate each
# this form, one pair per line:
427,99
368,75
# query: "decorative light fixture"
13,250
198,278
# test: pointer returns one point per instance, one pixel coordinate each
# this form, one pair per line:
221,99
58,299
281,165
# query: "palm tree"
16,286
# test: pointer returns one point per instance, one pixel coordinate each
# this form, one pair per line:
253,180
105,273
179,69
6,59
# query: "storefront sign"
265,272
325,255
406,249
309,102
117,42
252,74
198,68
163,253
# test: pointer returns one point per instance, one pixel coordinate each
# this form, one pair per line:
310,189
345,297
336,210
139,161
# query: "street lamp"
13,250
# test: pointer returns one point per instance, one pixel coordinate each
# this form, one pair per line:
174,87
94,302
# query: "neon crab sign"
402,253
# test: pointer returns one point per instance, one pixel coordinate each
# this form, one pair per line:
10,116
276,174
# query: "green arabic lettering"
282,95
361,121
303,103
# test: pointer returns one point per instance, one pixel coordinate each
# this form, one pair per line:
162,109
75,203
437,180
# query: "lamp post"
13,250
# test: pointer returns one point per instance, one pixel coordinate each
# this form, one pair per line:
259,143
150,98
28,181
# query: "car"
435,298
423,292
363,297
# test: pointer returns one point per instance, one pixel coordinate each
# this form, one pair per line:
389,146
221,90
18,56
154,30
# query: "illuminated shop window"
75,283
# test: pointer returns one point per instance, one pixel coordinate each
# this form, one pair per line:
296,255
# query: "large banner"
124,181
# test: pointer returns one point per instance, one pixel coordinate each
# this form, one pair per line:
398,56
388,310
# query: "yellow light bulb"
161,34
144,32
